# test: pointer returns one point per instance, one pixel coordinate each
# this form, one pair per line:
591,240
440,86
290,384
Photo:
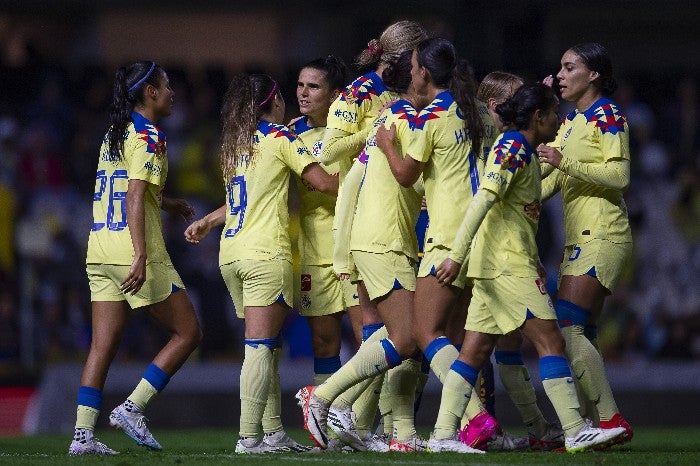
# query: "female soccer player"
507,292
127,263
324,296
384,248
350,119
592,160
257,155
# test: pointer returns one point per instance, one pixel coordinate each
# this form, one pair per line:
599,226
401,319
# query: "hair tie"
272,92
375,48
145,77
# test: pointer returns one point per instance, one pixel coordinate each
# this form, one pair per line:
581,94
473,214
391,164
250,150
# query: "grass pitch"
651,446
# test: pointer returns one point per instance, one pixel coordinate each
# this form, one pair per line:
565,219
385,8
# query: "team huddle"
420,200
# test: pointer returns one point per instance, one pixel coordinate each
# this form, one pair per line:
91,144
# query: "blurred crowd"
53,118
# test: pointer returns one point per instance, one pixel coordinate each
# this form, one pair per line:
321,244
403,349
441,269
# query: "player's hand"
197,231
136,277
385,106
447,272
548,81
385,138
549,155
178,207
294,120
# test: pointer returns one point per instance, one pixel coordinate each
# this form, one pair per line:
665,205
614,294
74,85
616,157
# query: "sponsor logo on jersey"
532,210
305,282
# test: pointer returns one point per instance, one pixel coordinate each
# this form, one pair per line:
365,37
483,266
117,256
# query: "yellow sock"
442,360
516,380
456,393
401,392
587,366
372,358
365,407
256,374
562,393
142,394
272,416
86,417
385,407
475,406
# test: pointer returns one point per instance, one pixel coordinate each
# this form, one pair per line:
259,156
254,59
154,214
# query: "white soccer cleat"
377,442
342,422
503,441
315,415
452,444
252,445
552,439
593,438
412,444
283,442
85,443
128,418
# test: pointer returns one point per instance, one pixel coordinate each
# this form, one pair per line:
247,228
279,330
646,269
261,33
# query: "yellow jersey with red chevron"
317,209
386,212
452,167
257,214
505,241
595,136
144,158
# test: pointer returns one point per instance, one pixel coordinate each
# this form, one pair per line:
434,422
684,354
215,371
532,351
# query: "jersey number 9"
117,200
237,201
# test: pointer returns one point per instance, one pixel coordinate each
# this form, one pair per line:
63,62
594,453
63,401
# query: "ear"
151,91
491,102
334,95
594,75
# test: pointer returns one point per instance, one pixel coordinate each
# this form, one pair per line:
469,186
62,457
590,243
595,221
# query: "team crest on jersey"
316,148
532,210
305,282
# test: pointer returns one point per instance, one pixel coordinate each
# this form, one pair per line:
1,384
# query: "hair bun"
375,48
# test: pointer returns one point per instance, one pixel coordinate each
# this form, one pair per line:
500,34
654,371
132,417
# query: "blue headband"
145,77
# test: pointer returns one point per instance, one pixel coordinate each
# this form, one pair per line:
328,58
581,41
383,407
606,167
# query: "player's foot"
552,439
282,442
453,444
334,446
480,429
592,438
342,422
503,441
411,444
85,443
315,414
619,421
377,442
131,420
248,445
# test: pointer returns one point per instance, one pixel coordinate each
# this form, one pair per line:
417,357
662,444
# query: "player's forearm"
613,174
215,218
478,208
338,144
551,184
136,219
342,260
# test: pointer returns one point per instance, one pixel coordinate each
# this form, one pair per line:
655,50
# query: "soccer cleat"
334,446
480,429
552,439
282,442
377,442
619,421
411,444
593,438
315,415
85,443
128,418
452,444
342,422
249,445
503,441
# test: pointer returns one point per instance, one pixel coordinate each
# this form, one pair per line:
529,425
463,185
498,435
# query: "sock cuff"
509,358
392,356
554,367
435,346
569,313
156,377
270,343
369,329
327,365
90,397
467,372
